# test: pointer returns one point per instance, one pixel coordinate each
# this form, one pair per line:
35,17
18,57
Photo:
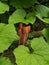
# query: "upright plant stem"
23,33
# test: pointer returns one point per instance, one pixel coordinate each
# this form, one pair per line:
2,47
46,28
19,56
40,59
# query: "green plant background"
30,12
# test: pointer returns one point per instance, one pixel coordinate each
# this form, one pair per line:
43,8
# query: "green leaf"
7,35
22,3
17,16
40,56
1,26
42,11
5,61
3,8
45,32
30,18
45,20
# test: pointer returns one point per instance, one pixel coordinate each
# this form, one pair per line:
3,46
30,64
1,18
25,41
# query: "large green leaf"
41,12
3,8
5,61
7,35
22,3
17,16
45,32
40,56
